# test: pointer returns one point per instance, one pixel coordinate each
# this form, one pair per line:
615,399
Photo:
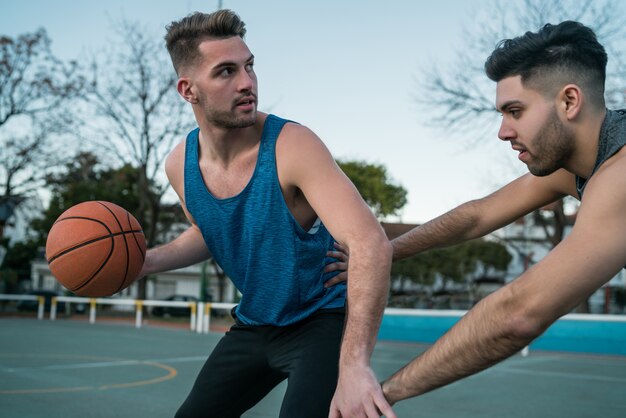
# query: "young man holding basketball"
255,188
550,91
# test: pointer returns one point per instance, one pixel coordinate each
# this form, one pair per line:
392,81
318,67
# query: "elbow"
384,249
525,321
470,217
525,327
374,247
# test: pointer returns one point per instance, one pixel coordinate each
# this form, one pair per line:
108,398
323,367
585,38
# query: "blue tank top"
277,266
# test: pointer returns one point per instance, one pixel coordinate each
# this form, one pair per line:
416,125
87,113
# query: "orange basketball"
95,249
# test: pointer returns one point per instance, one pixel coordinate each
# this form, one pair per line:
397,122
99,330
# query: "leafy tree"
461,263
16,264
86,179
375,186
454,264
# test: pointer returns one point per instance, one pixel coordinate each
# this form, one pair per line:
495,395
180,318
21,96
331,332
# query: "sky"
346,69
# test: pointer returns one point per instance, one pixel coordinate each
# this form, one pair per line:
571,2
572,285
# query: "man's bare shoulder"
617,162
604,203
296,141
609,179
296,131
300,153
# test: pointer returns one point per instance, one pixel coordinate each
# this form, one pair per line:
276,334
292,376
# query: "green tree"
373,183
461,263
84,179
16,264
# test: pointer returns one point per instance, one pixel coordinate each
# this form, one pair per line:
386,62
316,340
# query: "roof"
394,230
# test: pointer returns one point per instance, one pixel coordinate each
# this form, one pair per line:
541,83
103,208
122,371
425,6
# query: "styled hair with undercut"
184,36
549,59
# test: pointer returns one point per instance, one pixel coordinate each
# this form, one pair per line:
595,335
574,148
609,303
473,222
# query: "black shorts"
249,361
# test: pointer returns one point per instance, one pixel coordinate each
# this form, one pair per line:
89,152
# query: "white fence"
199,318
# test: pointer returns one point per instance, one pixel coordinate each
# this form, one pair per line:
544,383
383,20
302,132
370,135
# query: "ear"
186,90
571,101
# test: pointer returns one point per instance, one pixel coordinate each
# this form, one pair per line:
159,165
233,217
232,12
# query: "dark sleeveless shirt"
612,139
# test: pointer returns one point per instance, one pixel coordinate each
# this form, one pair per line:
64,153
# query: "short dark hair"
184,36
552,57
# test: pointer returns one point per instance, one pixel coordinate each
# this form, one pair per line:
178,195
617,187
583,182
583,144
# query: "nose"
506,133
247,81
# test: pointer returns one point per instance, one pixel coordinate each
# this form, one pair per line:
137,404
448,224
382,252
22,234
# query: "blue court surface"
69,368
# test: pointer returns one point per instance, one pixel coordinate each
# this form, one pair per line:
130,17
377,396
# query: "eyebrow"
507,104
231,63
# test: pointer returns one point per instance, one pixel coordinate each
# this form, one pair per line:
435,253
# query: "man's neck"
587,140
224,145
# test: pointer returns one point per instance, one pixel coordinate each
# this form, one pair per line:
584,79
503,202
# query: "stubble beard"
553,147
228,119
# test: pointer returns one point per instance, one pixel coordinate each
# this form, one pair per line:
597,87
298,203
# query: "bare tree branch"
460,97
34,86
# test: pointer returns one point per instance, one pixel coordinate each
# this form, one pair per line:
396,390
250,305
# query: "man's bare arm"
185,250
306,163
479,217
504,322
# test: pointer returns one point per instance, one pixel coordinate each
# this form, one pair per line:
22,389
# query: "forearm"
487,334
368,289
456,226
187,249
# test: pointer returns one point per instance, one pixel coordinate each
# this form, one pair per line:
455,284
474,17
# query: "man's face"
225,83
532,125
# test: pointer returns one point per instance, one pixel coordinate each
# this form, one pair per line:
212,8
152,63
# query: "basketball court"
70,368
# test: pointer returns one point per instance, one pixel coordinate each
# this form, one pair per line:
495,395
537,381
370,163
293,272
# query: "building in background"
185,281
526,241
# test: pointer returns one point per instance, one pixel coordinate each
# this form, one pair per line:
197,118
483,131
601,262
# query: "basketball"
95,249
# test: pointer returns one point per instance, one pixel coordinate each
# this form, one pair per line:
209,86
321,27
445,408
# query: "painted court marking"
585,376
170,372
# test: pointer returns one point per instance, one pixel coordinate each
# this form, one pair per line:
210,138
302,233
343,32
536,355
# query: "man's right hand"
341,255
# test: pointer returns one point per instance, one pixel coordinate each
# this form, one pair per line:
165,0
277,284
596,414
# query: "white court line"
584,376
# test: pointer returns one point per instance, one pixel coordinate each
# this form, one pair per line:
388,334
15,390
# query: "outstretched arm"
479,217
506,321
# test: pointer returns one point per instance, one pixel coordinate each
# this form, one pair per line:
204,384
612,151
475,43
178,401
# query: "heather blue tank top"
276,265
